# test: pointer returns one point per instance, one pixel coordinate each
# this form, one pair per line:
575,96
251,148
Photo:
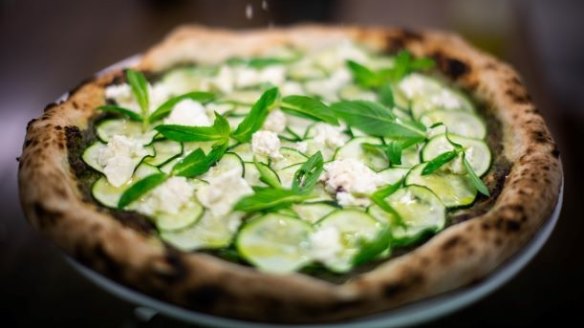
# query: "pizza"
298,175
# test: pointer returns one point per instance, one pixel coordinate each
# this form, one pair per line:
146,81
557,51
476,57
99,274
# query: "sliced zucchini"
108,195
176,221
420,210
91,154
206,146
290,157
243,97
252,175
106,129
354,149
353,227
313,212
165,151
392,175
189,79
354,92
298,125
476,151
286,175
460,123
436,101
230,161
275,243
209,232
305,70
240,111
454,190
243,151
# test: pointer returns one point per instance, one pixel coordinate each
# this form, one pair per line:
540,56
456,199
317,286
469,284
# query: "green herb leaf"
364,76
371,248
474,178
270,199
267,175
139,87
140,188
257,115
167,106
308,107
373,119
438,161
258,62
386,95
379,196
218,131
308,174
122,111
197,163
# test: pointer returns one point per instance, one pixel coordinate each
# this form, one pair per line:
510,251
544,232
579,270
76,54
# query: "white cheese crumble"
266,143
122,94
170,197
301,146
446,99
325,244
291,88
223,191
275,122
328,135
224,81
188,112
118,159
351,180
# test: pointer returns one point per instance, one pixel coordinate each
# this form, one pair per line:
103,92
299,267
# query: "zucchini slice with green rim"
477,152
298,125
392,175
421,212
454,190
275,243
243,151
286,175
290,157
230,161
354,92
209,232
108,195
106,129
165,151
464,124
176,221
91,154
252,175
313,212
354,149
354,227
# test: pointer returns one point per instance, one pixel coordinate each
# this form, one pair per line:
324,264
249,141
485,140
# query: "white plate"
414,313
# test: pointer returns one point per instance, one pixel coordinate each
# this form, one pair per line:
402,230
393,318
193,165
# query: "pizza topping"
330,157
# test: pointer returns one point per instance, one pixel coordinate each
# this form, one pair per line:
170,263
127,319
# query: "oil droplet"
249,11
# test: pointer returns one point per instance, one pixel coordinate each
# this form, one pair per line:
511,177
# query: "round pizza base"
461,255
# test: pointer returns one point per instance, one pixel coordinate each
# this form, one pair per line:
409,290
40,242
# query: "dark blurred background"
49,46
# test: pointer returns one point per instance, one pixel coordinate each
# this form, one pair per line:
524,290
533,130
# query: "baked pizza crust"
462,254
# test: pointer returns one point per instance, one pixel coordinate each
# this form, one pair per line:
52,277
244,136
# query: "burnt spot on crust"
178,270
395,288
50,106
541,136
81,84
399,41
135,221
518,95
450,66
110,266
556,152
205,296
450,243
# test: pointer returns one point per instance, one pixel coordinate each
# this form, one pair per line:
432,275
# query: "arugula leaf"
307,175
474,178
218,131
140,188
167,106
373,119
438,161
122,111
270,198
257,115
267,176
197,163
139,87
370,249
386,95
308,107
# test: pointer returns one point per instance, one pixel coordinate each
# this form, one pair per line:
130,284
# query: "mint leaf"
140,188
308,174
270,199
308,107
370,249
197,163
122,111
267,175
438,161
257,115
386,95
139,87
474,178
218,131
364,76
257,63
373,119
167,106
379,196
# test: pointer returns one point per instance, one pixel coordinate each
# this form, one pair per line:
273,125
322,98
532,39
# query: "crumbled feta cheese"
158,94
122,94
170,197
446,99
274,74
291,88
275,122
266,143
328,135
188,112
246,77
350,176
325,244
119,92
328,88
118,159
224,81
223,191
301,146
